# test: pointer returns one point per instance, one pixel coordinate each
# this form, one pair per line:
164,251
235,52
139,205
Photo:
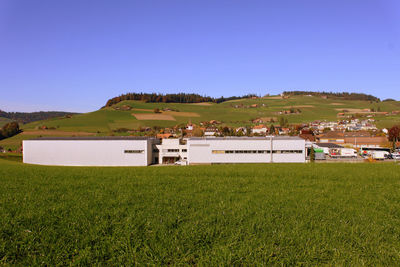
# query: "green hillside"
134,114
312,108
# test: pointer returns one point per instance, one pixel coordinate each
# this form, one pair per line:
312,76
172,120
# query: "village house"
260,129
210,131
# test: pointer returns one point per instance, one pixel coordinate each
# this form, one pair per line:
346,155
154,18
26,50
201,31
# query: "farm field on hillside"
231,113
312,214
135,114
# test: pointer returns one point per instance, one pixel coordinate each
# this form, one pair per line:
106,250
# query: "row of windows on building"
257,152
174,150
155,150
133,151
229,151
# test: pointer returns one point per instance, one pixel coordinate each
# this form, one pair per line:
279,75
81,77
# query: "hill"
132,114
26,117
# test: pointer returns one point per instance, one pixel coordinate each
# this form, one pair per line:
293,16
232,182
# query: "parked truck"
343,153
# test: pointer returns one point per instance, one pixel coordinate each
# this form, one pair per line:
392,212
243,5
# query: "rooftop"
247,138
95,138
328,145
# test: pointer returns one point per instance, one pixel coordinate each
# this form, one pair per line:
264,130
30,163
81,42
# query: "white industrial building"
143,151
246,150
89,151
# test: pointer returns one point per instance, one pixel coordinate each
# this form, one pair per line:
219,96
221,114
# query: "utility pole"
271,150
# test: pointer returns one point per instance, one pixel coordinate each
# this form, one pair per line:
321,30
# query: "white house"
89,151
260,129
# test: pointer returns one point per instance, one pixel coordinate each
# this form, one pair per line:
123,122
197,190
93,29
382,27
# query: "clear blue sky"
74,55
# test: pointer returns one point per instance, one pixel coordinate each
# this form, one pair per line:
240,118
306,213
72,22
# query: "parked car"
396,156
389,156
181,162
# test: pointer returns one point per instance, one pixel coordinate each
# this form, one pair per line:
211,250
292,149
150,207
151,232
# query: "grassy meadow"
286,214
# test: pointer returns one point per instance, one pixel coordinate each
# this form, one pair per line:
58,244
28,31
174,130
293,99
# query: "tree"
248,131
225,131
272,129
394,135
198,132
312,155
10,129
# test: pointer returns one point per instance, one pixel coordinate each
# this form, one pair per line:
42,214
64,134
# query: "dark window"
133,151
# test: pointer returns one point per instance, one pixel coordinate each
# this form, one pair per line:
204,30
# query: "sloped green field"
261,214
312,108
232,113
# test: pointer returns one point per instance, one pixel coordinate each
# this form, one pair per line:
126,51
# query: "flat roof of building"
94,138
247,138
328,145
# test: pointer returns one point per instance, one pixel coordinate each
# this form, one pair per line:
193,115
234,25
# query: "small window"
184,150
133,151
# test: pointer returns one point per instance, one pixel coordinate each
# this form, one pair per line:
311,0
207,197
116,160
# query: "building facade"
268,149
89,151
143,151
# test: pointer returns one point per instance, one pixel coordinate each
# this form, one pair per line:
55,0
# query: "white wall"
86,152
200,150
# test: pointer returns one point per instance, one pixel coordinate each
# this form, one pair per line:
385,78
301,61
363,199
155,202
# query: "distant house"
307,136
164,135
283,130
189,127
331,137
260,129
210,131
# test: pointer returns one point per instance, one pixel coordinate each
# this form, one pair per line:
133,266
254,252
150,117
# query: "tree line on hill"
171,98
342,95
9,129
26,117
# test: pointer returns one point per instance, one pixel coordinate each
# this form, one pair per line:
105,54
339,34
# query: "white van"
379,155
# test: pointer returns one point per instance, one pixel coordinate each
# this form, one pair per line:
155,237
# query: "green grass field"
286,214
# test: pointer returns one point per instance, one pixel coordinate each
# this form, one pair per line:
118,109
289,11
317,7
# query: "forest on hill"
26,117
171,98
342,95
